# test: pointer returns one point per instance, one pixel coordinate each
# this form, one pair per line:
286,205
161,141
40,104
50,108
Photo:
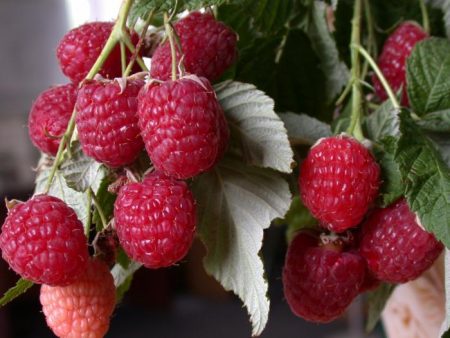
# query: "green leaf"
79,170
20,288
304,129
106,200
438,121
123,278
74,199
442,143
393,186
236,202
252,119
427,72
377,300
383,122
337,73
427,179
383,127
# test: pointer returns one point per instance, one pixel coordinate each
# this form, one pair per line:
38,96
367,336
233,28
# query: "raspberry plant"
331,119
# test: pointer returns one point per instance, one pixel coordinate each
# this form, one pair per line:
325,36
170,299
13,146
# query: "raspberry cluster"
181,125
339,181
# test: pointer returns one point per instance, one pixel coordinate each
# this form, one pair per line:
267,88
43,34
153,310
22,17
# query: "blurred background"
181,302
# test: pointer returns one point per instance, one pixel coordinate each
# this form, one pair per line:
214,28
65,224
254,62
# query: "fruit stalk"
380,75
354,128
173,51
114,38
425,20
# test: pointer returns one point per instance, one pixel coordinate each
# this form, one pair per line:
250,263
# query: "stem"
344,94
425,19
113,38
173,50
126,39
144,31
380,75
123,57
99,209
354,128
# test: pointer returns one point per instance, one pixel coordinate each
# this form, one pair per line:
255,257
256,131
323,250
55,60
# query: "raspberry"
84,308
183,126
392,60
79,49
396,248
43,241
155,220
339,179
107,121
50,115
320,283
208,45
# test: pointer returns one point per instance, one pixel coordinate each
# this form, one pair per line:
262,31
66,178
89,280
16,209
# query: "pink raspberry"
84,308
339,179
107,121
155,220
50,115
43,241
79,49
183,126
320,283
396,248
208,45
392,60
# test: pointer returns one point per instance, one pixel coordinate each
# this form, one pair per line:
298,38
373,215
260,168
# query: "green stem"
99,209
144,31
344,94
173,50
113,39
354,128
380,75
126,39
123,57
425,19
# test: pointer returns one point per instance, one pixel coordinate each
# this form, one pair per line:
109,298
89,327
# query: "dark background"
168,303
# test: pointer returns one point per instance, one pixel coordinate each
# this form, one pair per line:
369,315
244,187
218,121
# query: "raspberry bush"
215,119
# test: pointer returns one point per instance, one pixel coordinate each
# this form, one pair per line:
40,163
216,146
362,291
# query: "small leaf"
297,218
442,143
261,133
427,179
20,288
304,129
337,73
236,202
74,199
383,127
438,121
383,122
123,278
377,300
79,170
427,72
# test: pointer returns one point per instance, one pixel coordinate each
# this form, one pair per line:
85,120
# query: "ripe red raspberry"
392,60
79,49
43,241
208,46
320,283
182,125
339,179
107,121
396,248
84,308
155,220
49,116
